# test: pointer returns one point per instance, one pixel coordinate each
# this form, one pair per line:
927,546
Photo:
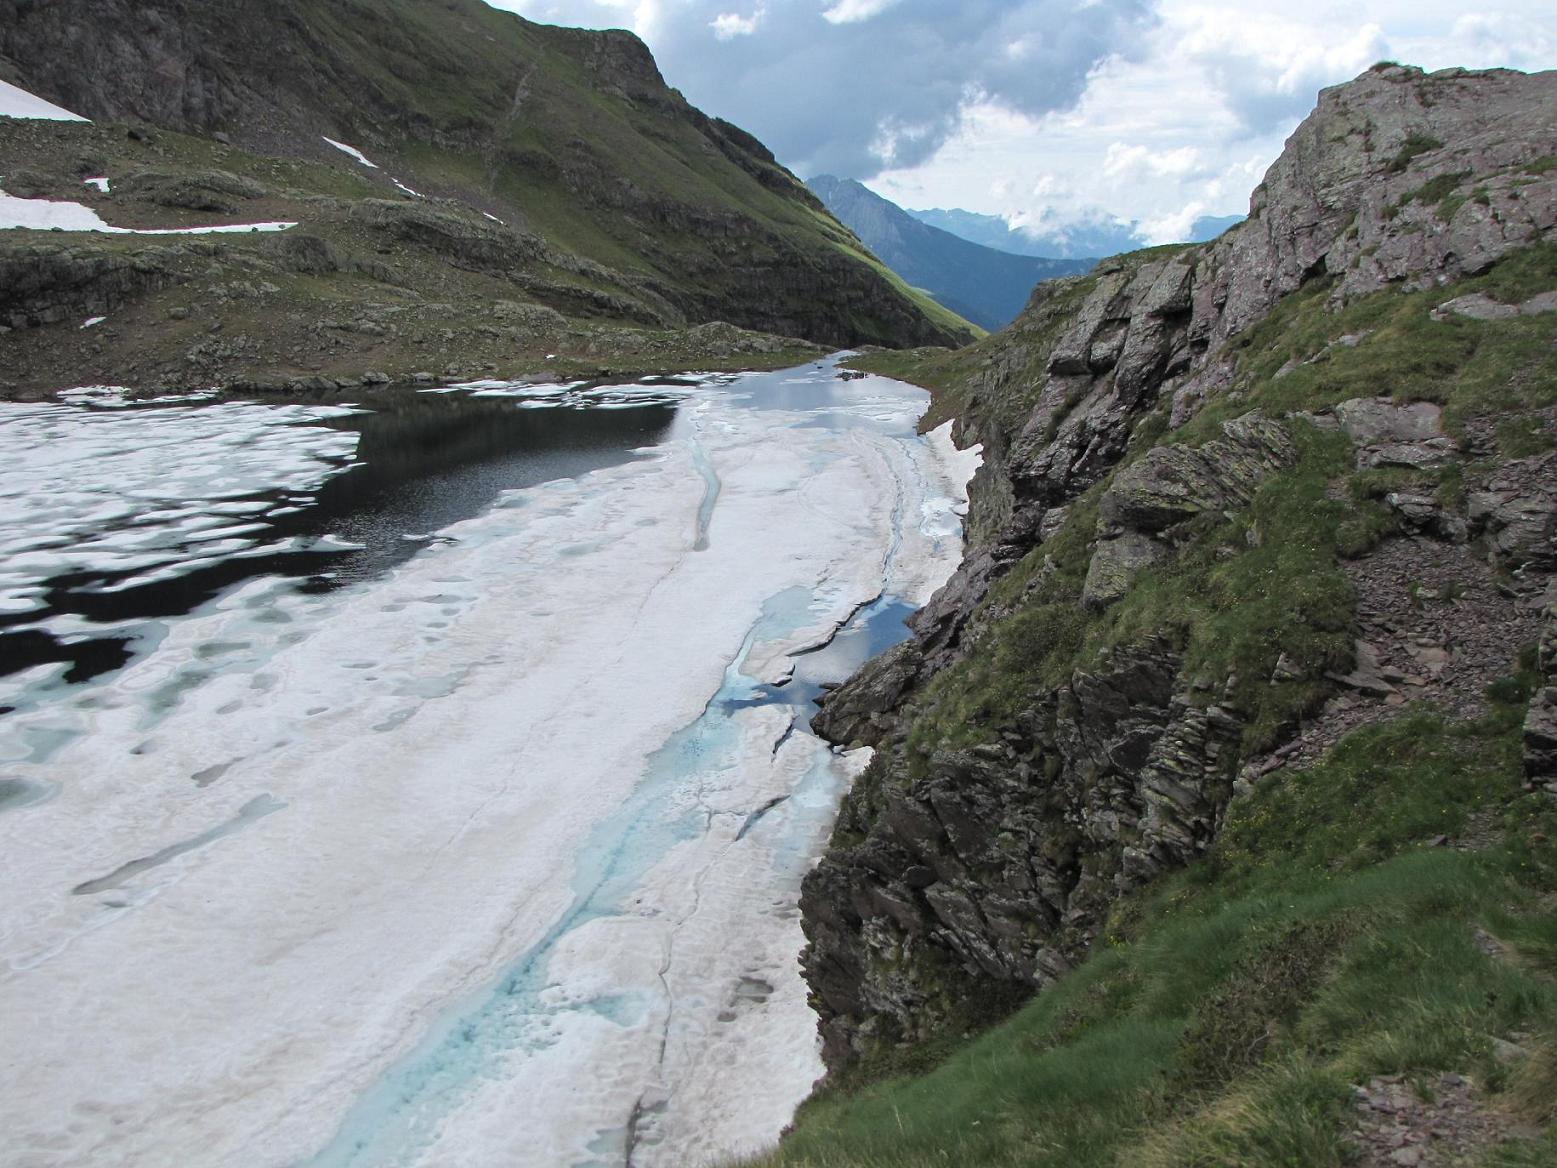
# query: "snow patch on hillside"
18,103
353,151
60,215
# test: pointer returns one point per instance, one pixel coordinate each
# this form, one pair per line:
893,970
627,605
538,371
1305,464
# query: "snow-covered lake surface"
425,780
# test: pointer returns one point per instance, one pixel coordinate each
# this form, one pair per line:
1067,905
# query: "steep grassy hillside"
1236,732
541,157
986,286
1328,974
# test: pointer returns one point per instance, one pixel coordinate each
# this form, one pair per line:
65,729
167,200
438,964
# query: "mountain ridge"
555,162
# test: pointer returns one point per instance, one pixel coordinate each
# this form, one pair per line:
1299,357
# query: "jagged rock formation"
1039,750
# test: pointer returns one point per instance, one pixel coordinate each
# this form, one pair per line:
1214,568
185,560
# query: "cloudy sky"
1047,111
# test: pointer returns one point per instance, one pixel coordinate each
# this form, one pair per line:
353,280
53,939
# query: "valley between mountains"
526,641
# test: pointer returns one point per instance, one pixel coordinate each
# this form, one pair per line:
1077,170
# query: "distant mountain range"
1095,238
983,284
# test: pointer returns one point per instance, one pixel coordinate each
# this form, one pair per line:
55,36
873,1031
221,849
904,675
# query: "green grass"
1221,1022
563,132
1412,147
1470,367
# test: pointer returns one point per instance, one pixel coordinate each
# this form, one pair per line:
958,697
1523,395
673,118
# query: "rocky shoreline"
1044,744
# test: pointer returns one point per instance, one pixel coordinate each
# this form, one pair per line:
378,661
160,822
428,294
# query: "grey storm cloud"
883,82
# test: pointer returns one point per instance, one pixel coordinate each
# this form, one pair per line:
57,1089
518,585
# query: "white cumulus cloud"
732,24
1093,111
853,11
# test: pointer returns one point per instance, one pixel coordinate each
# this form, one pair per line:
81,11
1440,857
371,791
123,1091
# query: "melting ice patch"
365,161
573,394
134,494
353,151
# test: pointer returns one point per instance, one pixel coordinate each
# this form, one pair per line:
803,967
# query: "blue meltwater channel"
399,1116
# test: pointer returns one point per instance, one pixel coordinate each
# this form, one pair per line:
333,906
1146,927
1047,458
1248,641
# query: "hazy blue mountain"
985,285
1210,226
1089,237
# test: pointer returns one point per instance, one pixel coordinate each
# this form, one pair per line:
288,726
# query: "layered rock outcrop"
982,850
1540,730
43,285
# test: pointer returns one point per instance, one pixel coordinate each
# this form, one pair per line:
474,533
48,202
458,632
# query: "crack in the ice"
778,743
711,488
632,1131
838,627
755,817
255,809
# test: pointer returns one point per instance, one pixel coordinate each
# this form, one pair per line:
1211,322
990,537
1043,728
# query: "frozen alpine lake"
424,779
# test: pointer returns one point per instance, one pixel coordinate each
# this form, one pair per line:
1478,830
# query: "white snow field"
18,103
492,860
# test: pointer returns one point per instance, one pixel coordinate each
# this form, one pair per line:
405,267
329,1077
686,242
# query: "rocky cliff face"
1237,498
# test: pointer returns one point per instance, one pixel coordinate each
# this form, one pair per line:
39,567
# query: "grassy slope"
1319,911
456,64
1320,943
568,134
432,311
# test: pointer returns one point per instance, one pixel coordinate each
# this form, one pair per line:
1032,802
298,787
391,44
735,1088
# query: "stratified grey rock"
852,714
1387,434
1116,564
1374,421
45,284
1342,198
1073,351
958,874
1476,306
1521,525
216,191
1366,673
1004,856
1423,513
1173,483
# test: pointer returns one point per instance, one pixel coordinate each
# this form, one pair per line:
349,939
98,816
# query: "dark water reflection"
425,461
